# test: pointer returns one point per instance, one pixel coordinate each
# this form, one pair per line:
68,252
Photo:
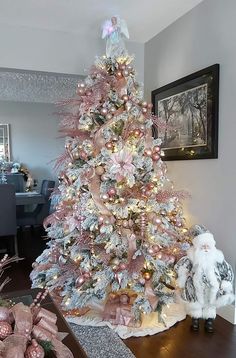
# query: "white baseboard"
228,313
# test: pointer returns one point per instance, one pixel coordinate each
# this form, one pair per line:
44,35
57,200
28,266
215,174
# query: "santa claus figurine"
205,279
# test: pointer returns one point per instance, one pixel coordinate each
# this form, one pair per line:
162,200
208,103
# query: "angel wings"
114,30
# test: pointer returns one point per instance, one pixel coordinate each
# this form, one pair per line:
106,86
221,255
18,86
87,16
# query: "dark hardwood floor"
177,342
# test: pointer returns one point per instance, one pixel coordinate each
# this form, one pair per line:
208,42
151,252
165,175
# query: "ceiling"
145,18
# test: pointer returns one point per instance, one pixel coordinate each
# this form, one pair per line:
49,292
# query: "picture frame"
188,111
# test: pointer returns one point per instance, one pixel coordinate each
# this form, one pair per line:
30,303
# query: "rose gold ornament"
109,145
112,191
99,170
100,219
5,329
156,149
115,261
131,223
113,110
83,155
122,266
109,116
80,91
155,248
103,111
150,105
148,152
146,276
157,221
104,197
79,281
87,275
144,110
125,223
150,251
34,350
155,157
119,74
125,98
137,133
144,104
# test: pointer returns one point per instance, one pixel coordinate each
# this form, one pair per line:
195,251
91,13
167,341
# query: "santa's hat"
204,239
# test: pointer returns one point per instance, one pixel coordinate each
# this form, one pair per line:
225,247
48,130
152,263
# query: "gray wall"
55,51
34,132
34,128
202,37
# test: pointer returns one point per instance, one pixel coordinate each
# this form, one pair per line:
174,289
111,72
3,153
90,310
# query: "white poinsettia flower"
121,164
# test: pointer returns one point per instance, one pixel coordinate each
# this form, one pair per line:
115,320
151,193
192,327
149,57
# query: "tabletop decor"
188,109
28,331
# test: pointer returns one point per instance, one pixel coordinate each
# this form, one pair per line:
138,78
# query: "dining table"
29,198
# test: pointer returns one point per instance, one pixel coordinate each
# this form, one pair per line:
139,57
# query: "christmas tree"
118,227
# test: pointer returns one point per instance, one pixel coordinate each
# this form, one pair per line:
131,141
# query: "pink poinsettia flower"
122,164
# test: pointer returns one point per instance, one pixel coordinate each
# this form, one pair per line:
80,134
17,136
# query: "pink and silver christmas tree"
118,227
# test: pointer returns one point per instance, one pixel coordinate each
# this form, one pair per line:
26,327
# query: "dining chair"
17,179
8,226
37,216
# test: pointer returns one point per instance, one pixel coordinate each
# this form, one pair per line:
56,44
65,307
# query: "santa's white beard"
205,260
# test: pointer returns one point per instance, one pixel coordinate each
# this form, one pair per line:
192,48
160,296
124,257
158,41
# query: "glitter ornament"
34,350
5,329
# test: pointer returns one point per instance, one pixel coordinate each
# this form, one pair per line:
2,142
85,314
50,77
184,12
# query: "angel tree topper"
114,30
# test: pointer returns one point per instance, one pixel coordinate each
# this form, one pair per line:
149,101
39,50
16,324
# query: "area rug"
100,342
150,323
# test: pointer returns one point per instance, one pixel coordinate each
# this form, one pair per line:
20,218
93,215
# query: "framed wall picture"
189,109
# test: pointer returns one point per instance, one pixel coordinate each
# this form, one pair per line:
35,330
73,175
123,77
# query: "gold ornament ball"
146,276
115,261
99,170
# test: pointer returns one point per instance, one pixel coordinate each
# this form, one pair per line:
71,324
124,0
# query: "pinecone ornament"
5,329
34,350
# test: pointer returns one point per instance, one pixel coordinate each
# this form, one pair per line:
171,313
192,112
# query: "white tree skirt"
173,313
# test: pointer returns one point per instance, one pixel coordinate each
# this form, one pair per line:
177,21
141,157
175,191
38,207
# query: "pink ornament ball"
109,116
104,197
148,152
79,281
144,104
150,251
112,191
156,248
5,329
155,157
103,111
125,98
122,266
156,149
100,219
144,110
34,350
